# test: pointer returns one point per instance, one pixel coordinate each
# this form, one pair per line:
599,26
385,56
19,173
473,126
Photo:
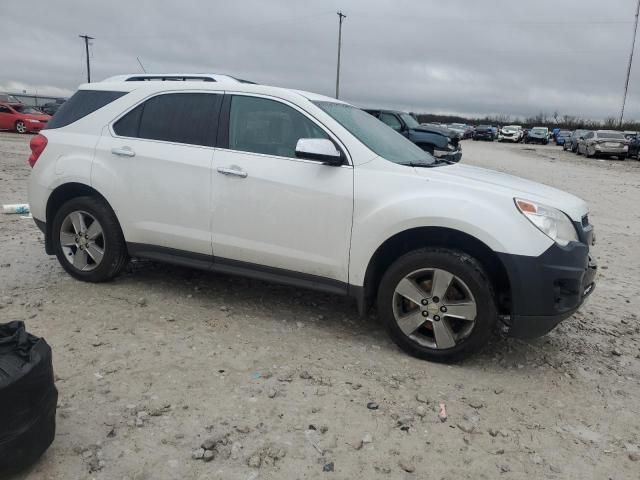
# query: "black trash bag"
28,398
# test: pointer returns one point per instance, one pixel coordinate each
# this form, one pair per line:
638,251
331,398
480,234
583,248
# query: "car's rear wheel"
21,127
88,241
437,304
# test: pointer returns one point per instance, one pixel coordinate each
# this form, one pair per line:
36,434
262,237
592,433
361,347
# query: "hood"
509,185
35,116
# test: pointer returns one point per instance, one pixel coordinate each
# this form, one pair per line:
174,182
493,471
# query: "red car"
21,118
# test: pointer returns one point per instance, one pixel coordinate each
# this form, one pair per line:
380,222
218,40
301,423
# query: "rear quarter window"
81,104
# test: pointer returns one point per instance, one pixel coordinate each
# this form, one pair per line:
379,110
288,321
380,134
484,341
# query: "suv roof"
175,77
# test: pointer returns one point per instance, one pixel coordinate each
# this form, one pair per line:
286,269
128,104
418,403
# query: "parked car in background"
562,136
462,129
484,132
8,98
538,135
444,251
554,133
437,141
607,143
51,108
21,118
571,143
634,147
510,133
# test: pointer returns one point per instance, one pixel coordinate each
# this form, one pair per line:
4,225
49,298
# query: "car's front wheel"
437,304
88,241
21,127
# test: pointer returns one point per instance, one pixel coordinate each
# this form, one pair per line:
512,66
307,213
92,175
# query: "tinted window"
612,135
4,110
190,118
81,104
265,126
391,120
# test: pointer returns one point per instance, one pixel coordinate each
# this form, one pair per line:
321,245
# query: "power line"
341,17
626,83
86,50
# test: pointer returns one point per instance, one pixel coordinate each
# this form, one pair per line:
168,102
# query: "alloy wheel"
21,127
82,240
434,308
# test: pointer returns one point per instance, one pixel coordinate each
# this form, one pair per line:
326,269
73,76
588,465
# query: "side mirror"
320,149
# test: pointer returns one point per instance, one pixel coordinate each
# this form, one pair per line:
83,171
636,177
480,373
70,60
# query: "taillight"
37,147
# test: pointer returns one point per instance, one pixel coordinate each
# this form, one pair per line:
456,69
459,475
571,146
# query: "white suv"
306,190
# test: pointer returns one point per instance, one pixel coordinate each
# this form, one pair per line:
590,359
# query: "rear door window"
190,118
81,104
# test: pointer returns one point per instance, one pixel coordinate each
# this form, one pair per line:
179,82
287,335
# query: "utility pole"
86,49
633,46
342,16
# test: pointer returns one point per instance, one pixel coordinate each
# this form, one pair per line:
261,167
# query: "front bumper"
511,138
454,156
547,289
537,140
35,127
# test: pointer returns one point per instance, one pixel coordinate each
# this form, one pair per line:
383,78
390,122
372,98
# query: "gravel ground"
283,383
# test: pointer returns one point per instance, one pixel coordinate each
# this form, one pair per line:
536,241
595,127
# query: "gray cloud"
458,56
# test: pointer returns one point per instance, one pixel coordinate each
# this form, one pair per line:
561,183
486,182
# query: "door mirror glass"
320,149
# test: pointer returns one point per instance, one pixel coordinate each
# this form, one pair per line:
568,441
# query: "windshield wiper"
422,165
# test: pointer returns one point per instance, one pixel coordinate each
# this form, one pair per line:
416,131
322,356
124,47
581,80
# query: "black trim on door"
236,267
222,139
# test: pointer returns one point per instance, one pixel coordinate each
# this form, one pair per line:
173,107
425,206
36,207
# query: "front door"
271,209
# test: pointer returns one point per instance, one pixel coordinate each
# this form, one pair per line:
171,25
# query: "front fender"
403,202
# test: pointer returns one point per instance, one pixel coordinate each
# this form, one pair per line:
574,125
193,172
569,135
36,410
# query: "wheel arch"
57,198
420,237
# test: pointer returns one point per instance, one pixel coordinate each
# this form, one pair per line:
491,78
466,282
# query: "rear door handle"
232,171
123,152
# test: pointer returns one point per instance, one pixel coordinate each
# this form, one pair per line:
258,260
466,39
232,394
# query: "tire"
462,337
21,127
100,267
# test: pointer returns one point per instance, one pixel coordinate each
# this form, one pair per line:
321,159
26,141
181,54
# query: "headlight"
32,120
550,221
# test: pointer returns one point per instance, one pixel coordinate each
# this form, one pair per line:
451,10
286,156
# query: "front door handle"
123,152
232,171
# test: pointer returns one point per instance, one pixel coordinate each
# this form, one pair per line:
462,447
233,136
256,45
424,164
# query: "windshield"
564,133
539,130
377,136
483,127
25,109
409,120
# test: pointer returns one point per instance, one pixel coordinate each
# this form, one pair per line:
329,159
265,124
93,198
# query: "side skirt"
243,269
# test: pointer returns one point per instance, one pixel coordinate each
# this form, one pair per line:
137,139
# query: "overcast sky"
458,56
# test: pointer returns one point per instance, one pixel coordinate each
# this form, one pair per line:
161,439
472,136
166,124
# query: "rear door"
154,162
271,209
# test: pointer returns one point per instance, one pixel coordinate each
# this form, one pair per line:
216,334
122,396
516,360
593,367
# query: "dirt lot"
278,379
